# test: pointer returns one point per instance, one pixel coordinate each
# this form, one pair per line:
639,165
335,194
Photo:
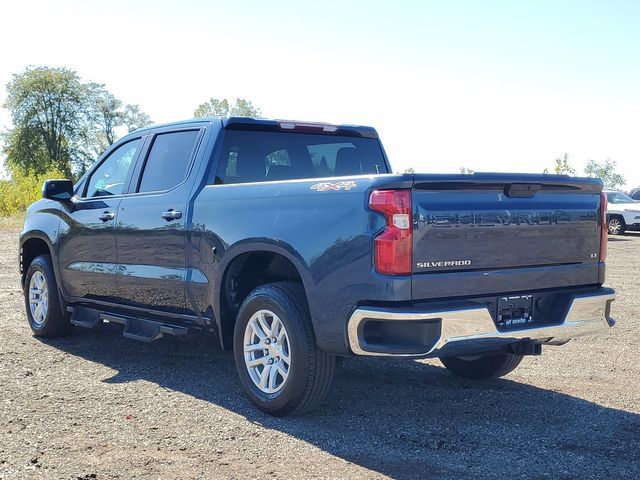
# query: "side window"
109,177
168,160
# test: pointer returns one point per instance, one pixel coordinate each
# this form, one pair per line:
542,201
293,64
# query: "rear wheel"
279,364
44,311
482,367
615,226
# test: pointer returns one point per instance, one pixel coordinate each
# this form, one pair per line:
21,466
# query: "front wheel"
482,367
279,364
44,311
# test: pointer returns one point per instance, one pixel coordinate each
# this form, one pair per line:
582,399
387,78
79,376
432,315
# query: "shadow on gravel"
403,419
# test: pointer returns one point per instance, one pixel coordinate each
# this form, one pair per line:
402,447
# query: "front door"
150,231
86,244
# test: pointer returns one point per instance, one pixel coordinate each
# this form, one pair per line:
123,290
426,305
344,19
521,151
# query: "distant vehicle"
635,194
295,243
623,213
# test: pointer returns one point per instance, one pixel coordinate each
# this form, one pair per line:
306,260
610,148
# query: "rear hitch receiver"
525,347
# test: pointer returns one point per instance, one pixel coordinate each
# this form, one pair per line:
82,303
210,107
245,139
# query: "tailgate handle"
522,190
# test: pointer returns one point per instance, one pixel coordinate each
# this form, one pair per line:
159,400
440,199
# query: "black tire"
311,370
483,367
616,225
56,322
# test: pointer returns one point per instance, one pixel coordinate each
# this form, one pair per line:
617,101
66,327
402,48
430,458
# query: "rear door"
150,231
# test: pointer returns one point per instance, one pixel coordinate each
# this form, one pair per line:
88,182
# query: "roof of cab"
263,124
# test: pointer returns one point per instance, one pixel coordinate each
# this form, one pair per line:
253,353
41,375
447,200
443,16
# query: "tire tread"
321,365
57,323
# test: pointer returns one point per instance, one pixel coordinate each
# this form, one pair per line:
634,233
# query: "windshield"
619,197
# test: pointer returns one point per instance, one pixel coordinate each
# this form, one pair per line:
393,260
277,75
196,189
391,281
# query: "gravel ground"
97,405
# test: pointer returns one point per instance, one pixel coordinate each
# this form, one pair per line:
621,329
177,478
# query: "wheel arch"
32,244
247,266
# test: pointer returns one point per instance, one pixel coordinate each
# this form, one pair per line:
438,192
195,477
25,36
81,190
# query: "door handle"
171,214
106,216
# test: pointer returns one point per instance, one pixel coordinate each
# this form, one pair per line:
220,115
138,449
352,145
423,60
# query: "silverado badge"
444,263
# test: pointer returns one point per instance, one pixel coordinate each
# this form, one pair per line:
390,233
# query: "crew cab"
297,244
623,213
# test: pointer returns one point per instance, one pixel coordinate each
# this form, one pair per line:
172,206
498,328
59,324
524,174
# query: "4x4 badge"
324,186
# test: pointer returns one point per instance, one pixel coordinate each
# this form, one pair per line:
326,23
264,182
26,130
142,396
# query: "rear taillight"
604,232
392,247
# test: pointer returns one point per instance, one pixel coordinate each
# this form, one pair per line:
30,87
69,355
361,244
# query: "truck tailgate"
490,222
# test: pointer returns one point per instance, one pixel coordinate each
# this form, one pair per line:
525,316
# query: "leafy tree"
46,106
563,167
25,150
468,171
105,111
134,118
409,170
60,122
605,171
222,108
106,116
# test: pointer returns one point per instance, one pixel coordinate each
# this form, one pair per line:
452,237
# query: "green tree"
466,170
106,116
99,130
104,111
409,170
222,108
47,109
61,123
563,167
134,118
605,171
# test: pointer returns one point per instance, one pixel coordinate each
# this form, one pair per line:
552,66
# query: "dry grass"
12,223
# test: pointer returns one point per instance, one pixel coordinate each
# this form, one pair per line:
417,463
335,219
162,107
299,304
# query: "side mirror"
57,189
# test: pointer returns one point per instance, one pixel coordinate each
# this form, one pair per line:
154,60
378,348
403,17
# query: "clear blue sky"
498,86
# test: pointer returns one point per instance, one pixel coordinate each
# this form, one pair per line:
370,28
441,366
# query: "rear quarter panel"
327,235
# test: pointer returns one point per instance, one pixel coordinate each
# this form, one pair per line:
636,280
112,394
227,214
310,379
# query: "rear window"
250,156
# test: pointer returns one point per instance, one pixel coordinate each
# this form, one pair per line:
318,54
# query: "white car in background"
623,213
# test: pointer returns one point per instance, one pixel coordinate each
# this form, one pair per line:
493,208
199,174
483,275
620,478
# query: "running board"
84,317
140,329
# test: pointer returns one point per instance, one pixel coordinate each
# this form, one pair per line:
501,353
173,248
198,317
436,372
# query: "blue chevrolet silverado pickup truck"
296,243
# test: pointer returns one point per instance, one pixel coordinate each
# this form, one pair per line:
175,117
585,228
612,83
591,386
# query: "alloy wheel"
267,356
38,298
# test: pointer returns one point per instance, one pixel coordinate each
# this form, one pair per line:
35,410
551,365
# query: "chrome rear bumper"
472,329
